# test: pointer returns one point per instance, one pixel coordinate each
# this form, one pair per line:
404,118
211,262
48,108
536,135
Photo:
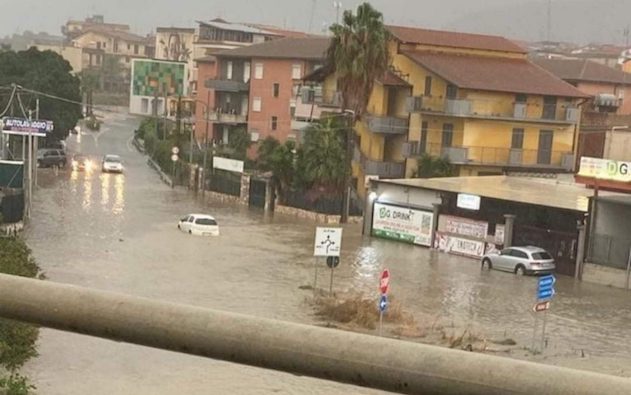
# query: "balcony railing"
383,169
555,113
221,117
227,85
491,156
387,125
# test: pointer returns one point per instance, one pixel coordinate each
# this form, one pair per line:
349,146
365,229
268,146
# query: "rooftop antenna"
313,6
549,26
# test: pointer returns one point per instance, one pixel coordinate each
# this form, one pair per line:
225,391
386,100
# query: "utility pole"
346,197
36,148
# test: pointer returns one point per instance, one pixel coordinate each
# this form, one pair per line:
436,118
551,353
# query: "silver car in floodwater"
520,260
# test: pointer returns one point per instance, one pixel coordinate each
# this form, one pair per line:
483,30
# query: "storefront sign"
403,224
605,169
499,234
463,226
460,246
469,202
22,126
228,164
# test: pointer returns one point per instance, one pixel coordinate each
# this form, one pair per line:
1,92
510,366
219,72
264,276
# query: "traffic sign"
332,261
174,157
328,242
384,282
545,287
175,150
383,303
541,306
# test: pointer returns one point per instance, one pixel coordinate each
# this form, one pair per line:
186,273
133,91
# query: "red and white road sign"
541,306
384,283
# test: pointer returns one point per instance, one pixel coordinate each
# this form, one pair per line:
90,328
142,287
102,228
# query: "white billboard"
228,164
402,224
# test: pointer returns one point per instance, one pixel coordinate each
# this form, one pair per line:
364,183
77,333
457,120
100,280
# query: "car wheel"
190,232
520,270
486,264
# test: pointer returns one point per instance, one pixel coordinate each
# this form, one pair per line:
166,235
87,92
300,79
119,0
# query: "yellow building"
473,99
479,102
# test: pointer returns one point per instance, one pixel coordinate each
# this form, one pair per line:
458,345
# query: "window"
549,107
98,45
541,256
144,105
256,104
128,47
518,139
126,59
544,154
246,71
104,44
206,221
448,135
258,71
135,49
274,123
276,89
521,98
296,72
428,86
229,70
519,254
423,143
452,92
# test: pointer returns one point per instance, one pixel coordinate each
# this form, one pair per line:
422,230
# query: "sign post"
328,243
384,286
174,158
545,293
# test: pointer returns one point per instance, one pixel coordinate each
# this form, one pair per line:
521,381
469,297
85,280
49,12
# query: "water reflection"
119,190
87,190
105,190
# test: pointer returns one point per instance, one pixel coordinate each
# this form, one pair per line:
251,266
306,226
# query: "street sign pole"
331,283
545,293
534,331
543,331
315,279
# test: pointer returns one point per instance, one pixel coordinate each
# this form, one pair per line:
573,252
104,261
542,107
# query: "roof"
391,79
411,35
583,70
121,35
206,59
566,195
494,74
175,29
284,48
279,31
238,27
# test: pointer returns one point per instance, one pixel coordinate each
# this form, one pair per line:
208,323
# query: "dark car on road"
51,157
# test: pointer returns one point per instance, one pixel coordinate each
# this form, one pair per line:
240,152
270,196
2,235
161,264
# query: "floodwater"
118,233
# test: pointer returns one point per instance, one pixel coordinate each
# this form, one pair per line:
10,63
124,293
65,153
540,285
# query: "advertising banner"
463,226
22,126
460,246
403,224
605,169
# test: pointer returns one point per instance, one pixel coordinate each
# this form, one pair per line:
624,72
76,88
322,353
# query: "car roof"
530,249
112,156
202,216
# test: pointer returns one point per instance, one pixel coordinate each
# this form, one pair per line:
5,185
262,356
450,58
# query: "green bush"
92,123
16,384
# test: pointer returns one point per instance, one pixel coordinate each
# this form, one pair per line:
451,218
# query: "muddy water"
118,232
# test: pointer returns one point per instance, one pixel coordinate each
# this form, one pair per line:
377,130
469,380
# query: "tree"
49,73
89,84
431,167
238,142
358,54
324,155
280,159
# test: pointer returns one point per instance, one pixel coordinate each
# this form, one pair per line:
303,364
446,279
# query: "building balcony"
383,169
387,125
227,85
490,156
228,118
480,109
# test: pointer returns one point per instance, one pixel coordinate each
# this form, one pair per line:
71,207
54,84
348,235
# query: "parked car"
112,163
199,224
81,162
520,260
51,157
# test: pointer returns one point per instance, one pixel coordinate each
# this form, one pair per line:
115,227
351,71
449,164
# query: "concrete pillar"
509,224
580,252
369,361
369,202
245,189
436,212
269,196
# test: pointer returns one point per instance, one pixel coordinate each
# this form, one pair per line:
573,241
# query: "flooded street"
119,233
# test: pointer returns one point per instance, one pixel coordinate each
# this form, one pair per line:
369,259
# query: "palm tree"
324,157
358,53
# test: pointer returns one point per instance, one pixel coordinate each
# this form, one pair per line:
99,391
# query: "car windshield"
541,256
205,221
113,159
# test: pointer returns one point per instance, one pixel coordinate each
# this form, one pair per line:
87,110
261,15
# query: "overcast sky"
576,20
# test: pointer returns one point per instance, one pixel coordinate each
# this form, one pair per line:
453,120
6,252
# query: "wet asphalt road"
118,233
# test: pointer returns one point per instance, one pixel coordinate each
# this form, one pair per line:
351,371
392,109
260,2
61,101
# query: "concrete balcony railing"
387,125
482,109
220,117
227,85
383,169
491,156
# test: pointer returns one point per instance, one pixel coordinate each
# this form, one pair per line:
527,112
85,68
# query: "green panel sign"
11,174
153,77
